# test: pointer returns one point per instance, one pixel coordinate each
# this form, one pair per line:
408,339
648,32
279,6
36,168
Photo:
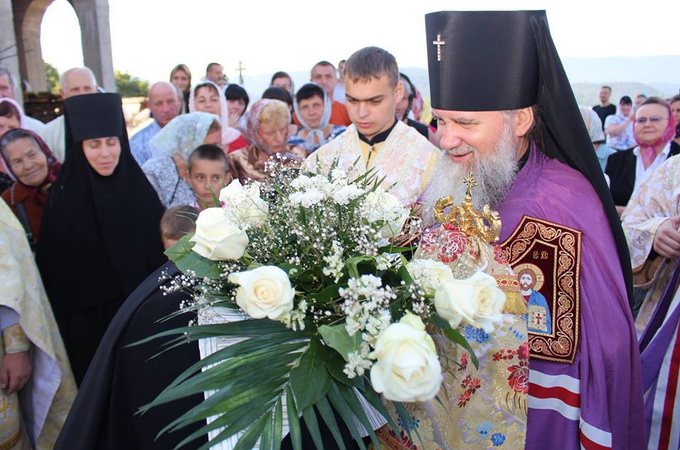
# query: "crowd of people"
93,211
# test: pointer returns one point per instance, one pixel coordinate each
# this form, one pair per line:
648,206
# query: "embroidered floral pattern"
475,334
519,377
497,439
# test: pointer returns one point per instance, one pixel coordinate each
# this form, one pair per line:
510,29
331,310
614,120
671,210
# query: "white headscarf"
229,134
325,119
182,134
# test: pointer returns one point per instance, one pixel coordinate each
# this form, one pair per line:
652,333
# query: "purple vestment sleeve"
604,406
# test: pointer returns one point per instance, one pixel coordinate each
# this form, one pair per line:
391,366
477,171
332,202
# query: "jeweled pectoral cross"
439,44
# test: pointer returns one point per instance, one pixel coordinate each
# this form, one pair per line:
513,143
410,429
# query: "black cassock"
120,379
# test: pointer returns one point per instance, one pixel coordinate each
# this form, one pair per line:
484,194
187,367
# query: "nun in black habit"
100,232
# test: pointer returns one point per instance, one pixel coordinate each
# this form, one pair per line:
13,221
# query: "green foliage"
52,75
130,86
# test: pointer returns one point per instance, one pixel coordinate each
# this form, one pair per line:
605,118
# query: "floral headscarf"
182,135
253,122
325,119
647,150
22,124
229,134
53,165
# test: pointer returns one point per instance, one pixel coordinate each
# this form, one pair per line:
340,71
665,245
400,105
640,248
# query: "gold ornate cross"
240,70
470,182
439,44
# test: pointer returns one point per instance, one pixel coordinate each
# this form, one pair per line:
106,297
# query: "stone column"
9,58
93,16
28,15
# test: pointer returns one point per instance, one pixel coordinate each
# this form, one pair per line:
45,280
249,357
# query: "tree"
52,75
130,86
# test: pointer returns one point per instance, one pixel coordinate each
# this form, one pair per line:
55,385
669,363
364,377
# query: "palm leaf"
312,426
326,414
340,405
293,420
277,424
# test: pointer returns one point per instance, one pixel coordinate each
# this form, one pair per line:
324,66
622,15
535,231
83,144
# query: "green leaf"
340,405
267,431
336,367
181,248
310,380
312,426
326,414
455,337
336,337
352,398
195,265
293,420
352,264
278,424
248,440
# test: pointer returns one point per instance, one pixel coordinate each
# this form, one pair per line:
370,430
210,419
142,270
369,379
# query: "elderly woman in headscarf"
35,168
267,130
653,131
99,235
167,170
313,109
11,117
208,97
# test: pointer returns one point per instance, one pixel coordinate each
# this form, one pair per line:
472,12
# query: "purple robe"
595,402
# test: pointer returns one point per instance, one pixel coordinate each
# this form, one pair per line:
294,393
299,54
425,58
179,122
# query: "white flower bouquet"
336,312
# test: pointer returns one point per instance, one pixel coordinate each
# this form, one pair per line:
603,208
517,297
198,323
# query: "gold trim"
566,288
12,441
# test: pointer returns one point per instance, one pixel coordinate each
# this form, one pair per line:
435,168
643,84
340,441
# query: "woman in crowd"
11,117
34,167
283,80
180,76
237,103
279,93
267,129
313,109
167,170
207,97
654,130
99,235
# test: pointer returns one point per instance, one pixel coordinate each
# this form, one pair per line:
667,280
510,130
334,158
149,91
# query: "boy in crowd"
208,171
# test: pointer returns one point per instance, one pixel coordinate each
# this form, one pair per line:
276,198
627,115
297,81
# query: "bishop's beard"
494,174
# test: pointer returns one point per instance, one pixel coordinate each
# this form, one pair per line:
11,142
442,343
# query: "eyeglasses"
653,119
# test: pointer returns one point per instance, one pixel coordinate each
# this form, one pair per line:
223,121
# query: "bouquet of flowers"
337,319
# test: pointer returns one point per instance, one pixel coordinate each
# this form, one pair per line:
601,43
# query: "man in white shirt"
75,81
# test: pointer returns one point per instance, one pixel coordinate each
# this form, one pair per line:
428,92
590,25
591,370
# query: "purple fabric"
607,361
655,343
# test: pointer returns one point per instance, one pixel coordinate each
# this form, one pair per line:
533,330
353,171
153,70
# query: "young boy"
208,171
176,222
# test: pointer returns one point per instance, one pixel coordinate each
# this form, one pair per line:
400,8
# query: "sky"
149,37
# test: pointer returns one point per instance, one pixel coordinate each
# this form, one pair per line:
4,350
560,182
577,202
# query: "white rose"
218,238
264,292
407,368
244,205
476,301
430,274
385,207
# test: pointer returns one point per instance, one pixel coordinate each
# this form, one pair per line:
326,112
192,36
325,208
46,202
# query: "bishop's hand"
667,238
